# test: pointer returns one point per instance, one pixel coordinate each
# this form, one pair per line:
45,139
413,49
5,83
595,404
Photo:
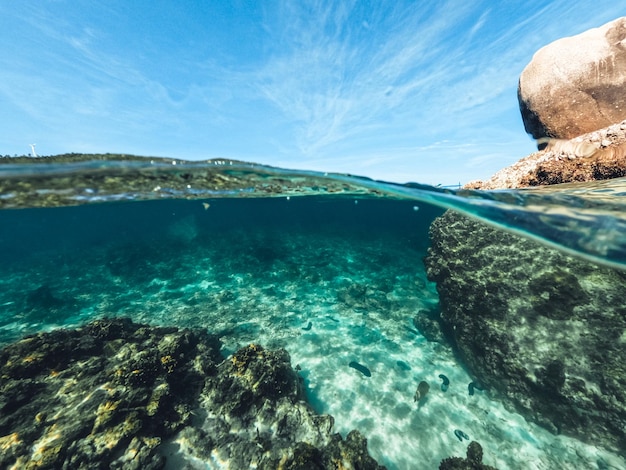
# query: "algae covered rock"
542,331
257,417
115,394
474,460
100,395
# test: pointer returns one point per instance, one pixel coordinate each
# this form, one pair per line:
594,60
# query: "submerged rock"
105,394
540,330
109,394
474,460
257,418
428,323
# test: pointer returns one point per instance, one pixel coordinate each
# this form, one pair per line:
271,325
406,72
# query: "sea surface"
281,258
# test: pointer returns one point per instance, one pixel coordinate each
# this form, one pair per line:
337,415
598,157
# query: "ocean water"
328,267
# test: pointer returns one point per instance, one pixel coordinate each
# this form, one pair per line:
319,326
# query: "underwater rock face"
540,330
256,417
107,395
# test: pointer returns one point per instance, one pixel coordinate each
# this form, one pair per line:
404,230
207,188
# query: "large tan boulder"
577,84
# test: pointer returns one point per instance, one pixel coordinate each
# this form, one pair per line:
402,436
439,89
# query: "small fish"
460,435
403,365
445,384
411,330
308,326
332,318
421,392
361,368
474,385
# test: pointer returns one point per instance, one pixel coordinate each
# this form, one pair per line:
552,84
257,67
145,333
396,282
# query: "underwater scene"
224,315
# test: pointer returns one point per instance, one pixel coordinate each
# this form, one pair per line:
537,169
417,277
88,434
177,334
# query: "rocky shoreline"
597,155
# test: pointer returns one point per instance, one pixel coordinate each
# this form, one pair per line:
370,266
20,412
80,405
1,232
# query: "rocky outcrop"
103,395
577,84
257,418
474,460
594,156
115,394
544,332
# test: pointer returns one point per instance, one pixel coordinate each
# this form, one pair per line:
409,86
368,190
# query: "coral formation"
474,460
101,394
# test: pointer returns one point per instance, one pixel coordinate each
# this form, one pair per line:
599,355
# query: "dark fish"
361,368
460,435
308,327
411,330
422,390
445,383
474,385
403,365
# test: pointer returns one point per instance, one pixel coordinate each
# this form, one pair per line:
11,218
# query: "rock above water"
576,85
598,155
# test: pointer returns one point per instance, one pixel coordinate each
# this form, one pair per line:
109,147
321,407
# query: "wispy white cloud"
343,85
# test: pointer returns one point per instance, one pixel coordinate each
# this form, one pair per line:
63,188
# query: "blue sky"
396,90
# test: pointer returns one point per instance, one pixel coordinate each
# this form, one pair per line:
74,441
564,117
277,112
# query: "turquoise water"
285,259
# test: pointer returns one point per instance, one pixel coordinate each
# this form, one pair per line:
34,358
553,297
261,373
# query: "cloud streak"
341,80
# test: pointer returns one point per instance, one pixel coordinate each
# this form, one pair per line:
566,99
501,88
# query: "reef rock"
576,85
256,417
474,460
101,396
115,394
542,331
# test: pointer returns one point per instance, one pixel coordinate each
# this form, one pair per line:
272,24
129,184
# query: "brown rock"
577,84
595,156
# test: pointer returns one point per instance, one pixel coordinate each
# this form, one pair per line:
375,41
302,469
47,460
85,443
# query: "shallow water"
327,266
